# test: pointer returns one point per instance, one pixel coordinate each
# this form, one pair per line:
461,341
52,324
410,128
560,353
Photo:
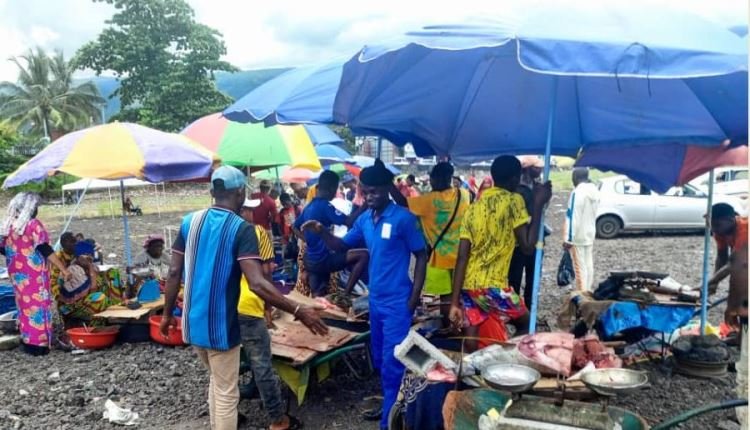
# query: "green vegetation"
562,179
164,59
44,100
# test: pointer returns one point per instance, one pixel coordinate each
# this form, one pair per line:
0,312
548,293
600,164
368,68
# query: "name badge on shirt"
385,232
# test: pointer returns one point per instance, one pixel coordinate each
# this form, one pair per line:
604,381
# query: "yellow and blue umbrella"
118,151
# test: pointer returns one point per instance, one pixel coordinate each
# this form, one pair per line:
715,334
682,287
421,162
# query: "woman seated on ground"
88,291
153,257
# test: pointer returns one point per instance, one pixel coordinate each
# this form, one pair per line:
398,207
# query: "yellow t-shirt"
311,193
434,210
489,224
250,304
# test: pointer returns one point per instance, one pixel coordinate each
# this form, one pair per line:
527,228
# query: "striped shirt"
214,241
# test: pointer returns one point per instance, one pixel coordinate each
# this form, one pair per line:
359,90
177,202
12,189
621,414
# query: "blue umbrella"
556,81
328,153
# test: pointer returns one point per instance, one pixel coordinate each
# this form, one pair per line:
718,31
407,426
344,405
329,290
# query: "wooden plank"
120,311
297,356
309,301
296,335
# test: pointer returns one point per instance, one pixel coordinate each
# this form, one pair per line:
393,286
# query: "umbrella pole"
706,252
379,149
72,214
540,240
126,227
111,208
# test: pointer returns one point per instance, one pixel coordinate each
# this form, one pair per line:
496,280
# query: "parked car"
731,181
626,205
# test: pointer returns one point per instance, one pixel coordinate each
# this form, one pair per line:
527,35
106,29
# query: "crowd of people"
471,245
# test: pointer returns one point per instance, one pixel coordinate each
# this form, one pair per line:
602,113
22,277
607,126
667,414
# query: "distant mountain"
234,85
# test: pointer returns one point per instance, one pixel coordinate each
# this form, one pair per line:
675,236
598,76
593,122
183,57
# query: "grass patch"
97,206
562,180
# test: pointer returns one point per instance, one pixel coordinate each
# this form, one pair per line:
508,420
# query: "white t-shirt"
581,215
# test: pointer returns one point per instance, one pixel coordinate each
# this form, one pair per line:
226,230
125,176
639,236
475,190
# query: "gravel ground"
167,385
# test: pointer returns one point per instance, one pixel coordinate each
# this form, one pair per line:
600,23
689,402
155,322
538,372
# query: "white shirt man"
580,229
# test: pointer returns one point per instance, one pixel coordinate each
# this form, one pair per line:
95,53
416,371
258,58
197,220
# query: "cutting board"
297,356
120,311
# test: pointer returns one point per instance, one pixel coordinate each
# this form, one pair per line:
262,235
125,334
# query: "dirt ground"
167,385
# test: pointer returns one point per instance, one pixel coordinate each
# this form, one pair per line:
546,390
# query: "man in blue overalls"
391,234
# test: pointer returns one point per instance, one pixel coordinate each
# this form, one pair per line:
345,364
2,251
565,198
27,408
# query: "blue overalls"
391,241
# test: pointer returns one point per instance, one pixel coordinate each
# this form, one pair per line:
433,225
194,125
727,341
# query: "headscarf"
84,248
376,175
20,211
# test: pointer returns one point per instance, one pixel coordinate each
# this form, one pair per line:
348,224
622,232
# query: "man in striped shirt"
213,250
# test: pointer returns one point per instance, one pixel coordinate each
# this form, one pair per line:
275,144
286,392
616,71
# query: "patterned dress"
30,278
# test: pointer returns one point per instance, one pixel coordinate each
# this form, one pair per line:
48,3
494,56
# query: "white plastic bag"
118,415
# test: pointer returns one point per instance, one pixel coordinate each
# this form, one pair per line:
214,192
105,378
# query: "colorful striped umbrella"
118,151
257,146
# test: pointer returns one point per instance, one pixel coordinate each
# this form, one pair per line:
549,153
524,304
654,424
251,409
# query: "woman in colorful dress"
87,291
28,254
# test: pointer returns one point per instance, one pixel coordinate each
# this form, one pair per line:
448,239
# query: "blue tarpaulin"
658,317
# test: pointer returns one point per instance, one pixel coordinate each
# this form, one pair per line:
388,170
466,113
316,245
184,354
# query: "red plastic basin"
93,337
174,336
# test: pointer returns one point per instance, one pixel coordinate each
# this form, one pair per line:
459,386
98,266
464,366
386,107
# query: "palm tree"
44,99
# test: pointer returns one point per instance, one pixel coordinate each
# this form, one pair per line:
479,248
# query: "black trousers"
521,263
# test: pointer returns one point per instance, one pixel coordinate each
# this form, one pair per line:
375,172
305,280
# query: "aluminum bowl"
512,378
611,382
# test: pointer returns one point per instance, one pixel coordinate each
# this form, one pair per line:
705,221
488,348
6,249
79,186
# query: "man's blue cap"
227,178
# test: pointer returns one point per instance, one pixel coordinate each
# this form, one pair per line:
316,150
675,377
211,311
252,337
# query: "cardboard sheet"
296,335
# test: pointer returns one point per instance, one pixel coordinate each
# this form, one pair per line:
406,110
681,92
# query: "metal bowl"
611,382
512,378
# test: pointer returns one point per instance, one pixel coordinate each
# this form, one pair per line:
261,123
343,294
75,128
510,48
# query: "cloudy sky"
261,34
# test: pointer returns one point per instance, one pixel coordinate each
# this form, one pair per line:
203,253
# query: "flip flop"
294,423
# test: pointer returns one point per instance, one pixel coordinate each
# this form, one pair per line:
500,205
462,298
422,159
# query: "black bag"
565,273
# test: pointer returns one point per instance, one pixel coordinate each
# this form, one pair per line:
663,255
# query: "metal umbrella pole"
706,252
540,240
126,227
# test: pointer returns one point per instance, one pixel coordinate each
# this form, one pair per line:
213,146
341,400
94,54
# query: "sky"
283,33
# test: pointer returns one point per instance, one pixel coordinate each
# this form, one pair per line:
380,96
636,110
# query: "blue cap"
227,178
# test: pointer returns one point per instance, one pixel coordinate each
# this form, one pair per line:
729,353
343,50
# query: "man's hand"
268,316
542,193
313,227
66,275
167,321
732,316
309,317
567,245
456,317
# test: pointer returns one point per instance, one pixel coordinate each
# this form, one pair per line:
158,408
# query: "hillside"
234,85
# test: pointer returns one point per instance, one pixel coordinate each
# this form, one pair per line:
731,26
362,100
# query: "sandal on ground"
294,423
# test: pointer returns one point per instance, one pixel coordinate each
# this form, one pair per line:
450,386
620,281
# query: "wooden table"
122,312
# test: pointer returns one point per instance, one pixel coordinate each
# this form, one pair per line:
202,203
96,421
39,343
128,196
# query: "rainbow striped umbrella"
118,151
257,146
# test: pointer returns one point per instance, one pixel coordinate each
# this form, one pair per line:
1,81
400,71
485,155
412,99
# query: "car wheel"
608,226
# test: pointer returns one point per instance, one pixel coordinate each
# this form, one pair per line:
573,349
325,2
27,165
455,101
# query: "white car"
626,205
732,181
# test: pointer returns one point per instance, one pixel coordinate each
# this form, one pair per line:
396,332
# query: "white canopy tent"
83,185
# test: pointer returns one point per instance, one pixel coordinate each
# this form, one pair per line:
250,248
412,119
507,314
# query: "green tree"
345,133
44,99
164,61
